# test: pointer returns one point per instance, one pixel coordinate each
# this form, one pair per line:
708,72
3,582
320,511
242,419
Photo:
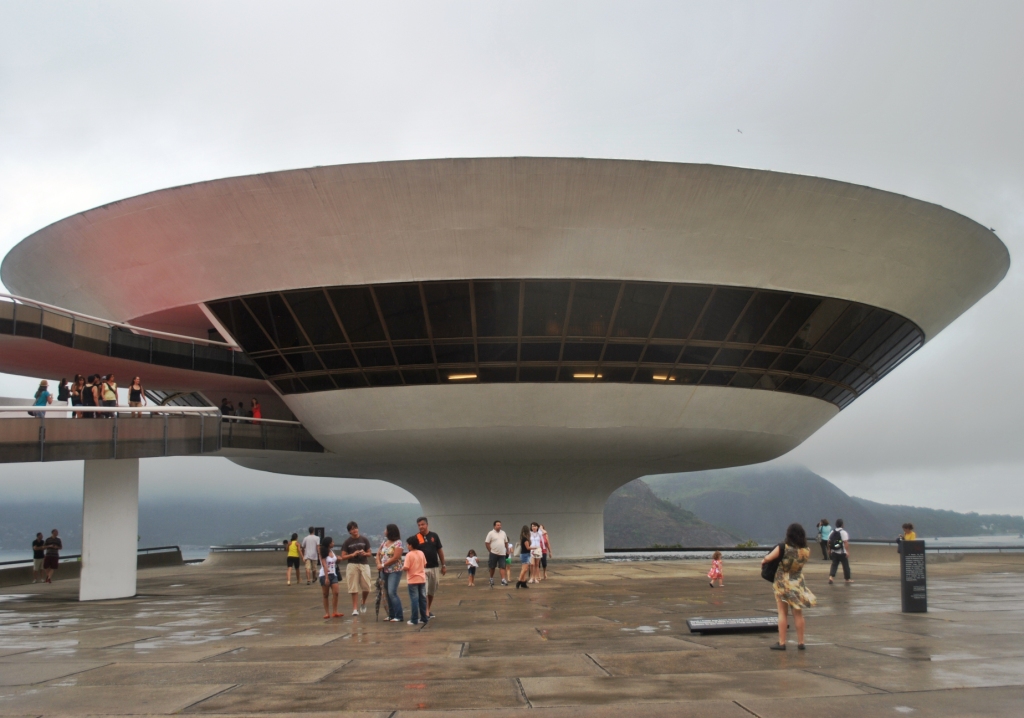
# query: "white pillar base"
110,529
463,502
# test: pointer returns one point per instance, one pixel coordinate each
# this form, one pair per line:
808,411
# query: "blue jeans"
394,602
418,601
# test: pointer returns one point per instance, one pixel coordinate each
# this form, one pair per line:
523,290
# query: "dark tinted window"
544,308
497,352
271,313
454,353
700,334
304,361
623,352
758,317
358,313
448,308
681,312
592,305
497,309
790,320
721,314
316,317
338,359
540,352
661,354
418,354
637,310
582,351
402,310
375,356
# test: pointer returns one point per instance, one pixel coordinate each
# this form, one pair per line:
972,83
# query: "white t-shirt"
471,561
310,544
845,536
498,541
535,541
330,560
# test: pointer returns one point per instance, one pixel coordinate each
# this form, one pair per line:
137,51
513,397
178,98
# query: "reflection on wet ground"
596,639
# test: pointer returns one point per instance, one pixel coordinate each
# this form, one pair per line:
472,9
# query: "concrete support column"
110,529
568,501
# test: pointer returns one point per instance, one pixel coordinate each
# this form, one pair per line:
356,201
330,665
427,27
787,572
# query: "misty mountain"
759,502
206,522
635,518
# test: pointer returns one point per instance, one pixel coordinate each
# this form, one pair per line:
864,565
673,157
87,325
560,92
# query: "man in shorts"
356,550
310,549
430,544
37,558
496,542
51,558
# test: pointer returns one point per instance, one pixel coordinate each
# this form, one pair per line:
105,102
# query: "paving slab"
24,674
391,692
689,687
126,700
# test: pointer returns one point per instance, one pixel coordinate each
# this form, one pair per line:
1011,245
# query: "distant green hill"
635,518
759,502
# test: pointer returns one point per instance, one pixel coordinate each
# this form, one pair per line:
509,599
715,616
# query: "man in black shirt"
430,544
37,558
51,554
356,550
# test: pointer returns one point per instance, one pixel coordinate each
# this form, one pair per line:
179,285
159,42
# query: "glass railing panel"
6,317
170,353
213,359
91,337
58,328
27,320
125,345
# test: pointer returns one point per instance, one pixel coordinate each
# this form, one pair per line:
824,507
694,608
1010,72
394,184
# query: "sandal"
777,647
800,647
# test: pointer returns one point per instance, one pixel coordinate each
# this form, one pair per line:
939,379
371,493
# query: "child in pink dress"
716,570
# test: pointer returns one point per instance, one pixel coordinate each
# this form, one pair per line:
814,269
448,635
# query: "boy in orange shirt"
415,568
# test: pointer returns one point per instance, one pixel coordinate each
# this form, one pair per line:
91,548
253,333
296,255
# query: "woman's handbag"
770,568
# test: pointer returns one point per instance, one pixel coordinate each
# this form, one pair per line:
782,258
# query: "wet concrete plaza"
596,639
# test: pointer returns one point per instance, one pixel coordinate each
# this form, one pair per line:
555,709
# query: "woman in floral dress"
790,590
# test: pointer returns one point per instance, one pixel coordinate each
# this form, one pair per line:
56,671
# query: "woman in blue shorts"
524,556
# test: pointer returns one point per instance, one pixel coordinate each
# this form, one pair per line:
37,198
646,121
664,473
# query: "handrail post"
202,428
165,434
42,435
114,454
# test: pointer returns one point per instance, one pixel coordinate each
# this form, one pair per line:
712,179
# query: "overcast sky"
100,101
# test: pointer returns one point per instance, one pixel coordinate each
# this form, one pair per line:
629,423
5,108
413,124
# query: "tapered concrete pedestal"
110,529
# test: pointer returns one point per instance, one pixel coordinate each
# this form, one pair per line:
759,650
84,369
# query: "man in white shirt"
839,548
497,549
310,552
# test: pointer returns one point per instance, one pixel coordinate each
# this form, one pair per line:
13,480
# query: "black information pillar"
319,532
913,580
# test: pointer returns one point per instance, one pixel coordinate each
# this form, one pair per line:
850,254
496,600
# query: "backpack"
835,542
768,570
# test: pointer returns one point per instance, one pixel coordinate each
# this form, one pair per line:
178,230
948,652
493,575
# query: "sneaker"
430,616
504,582
777,647
412,623
492,583
355,613
362,609
395,620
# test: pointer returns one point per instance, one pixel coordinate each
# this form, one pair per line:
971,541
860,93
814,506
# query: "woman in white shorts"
536,552
329,576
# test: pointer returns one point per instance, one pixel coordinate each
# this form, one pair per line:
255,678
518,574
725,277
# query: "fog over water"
101,101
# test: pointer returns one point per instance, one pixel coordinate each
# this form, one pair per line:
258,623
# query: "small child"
716,570
416,579
471,564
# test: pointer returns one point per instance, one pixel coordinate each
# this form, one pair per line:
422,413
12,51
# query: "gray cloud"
107,100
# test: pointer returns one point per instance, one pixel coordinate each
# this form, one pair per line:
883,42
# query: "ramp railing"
36,433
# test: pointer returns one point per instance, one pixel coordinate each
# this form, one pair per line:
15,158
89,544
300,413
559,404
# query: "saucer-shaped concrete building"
514,338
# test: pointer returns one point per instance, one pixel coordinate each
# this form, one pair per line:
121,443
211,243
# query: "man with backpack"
839,551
